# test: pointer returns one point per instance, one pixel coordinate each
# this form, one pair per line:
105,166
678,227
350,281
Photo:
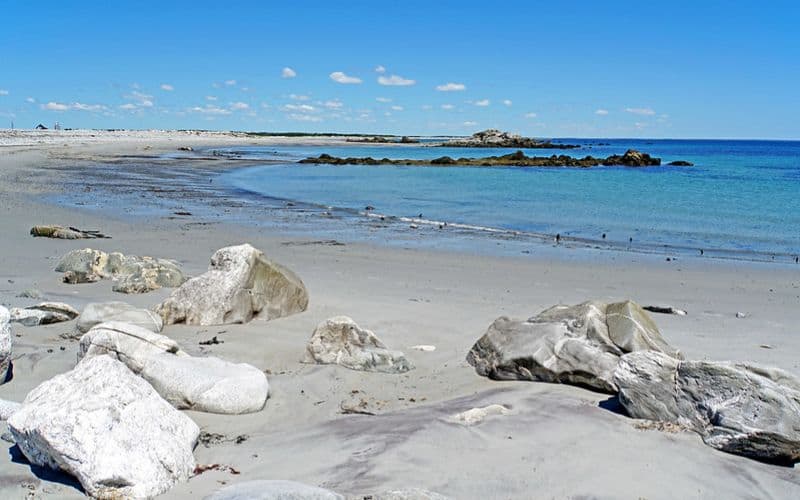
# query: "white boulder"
45,313
101,312
6,343
265,489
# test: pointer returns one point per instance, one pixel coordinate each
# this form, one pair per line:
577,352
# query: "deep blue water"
742,198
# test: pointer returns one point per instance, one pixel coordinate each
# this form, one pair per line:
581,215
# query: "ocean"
740,200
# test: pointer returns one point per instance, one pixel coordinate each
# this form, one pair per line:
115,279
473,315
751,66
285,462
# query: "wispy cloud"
397,108
304,118
470,124
383,99
230,83
239,106
333,104
641,111
396,81
339,77
288,72
299,97
142,100
451,87
210,109
3,92
75,106
482,102
380,69
530,115
447,106
211,98
299,107
30,100
167,87
128,106
601,112
507,102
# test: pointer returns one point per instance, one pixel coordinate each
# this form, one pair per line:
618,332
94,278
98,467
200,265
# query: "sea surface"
740,200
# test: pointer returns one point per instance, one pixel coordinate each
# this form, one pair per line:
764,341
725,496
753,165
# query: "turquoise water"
741,199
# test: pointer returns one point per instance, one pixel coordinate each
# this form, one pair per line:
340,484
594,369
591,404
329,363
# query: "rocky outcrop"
681,163
493,138
341,341
45,313
240,284
65,233
631,158
264,489
202,384
133,274
739,408
108,428
6,343
578,345
101,312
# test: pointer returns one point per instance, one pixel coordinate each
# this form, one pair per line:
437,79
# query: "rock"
65,233
108,428
240,284
6,343
478,415
406,494
31,293
632,158
339,340
45,313
681,163
741,315
665,310
100,312
578,344
424,348
493,138
739,408
202,384
7,408
263,489
134,274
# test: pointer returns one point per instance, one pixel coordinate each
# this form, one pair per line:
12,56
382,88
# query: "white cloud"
507,102
427,107
55,106
470,124
339,77
380,69
530,115
383,99
167,87
239,106
447,106
482,102
143,100
304,118
288,72
30,99
641,111
298,97
601,112
394,80
451,87
211,98
75,106
397,108
3,92
210,109
230,83
334,104
299,107
128,106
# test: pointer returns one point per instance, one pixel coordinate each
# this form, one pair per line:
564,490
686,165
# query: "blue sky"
550,69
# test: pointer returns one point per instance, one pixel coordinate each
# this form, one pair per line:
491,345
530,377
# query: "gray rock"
739,408
133,274
6,343
272,490
31,293
45,313
195,383
341,341
240,284
101,312
108,428
578,344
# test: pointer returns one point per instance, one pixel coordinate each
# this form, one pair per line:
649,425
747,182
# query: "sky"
674,69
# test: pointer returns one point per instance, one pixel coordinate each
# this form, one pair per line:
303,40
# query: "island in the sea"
493,138
631,158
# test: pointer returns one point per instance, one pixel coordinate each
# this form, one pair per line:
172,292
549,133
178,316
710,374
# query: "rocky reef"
631,158
493,138
378,139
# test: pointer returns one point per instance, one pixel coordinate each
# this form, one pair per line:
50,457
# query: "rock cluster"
579,344
240,284
493,138
132,274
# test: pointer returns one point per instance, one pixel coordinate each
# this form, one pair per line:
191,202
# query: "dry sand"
557,442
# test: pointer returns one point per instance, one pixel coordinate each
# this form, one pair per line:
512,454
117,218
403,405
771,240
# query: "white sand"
556,442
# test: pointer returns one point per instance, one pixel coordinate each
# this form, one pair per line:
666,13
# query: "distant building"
40,127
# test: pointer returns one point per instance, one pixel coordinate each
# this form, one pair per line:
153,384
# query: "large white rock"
203,384
108,428
45,313
6,343
100,312
265,489
740,408
134,274
339,340
578,344
240,284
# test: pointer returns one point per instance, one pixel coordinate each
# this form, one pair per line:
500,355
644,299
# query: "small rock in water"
413,226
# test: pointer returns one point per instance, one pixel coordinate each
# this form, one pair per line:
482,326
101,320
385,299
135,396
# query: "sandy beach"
558,441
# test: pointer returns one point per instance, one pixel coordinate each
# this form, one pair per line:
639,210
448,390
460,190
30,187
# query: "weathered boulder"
101,312
45,313
108,428
133,274
264,489
339,340
578,344
240,284
6,343
203,384
739,408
